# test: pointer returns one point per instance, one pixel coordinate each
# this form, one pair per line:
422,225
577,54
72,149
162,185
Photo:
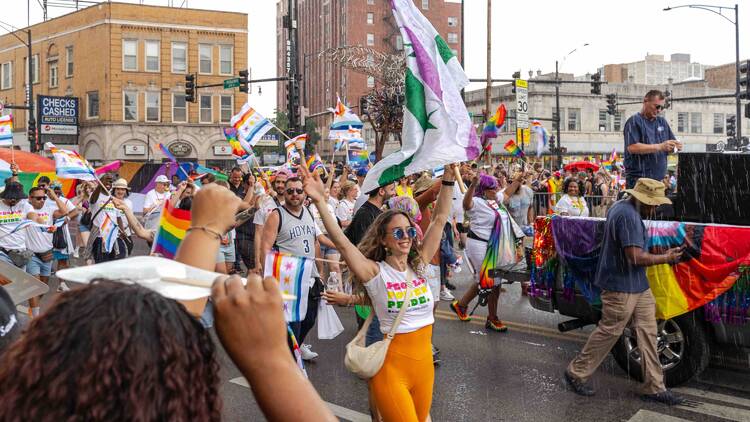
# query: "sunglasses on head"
298,191
399,233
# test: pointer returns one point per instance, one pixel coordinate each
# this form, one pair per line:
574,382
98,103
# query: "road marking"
526,328
339,411
644,415
713,396
717,410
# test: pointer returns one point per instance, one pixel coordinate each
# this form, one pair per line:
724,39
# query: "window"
53,80
682,122
130,55
370,18
206,113
452,37
574,119
370,39
618,121
68,62
719,123
205,54
226,108
34,69
92,104
152,56
179,108
452,21
7,75
425,4
226,64
695,123
130,106
152,106
603,121
371,82
179,57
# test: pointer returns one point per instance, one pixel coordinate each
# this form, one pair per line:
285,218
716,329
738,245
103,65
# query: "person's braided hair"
111,352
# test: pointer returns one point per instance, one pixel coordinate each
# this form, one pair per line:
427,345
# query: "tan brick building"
324,24
127,63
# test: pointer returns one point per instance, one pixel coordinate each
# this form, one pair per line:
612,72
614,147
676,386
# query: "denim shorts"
325,250
373,334
59,255
83,229
5,258
37,267
226,253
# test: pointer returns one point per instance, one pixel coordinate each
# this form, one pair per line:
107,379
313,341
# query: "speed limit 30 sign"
522,103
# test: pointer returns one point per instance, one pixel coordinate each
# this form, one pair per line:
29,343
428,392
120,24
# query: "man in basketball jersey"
290,228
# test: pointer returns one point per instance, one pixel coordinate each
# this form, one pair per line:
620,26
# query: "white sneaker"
62,287
446,295
306,353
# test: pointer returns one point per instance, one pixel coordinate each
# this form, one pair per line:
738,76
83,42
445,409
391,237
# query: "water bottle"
332,284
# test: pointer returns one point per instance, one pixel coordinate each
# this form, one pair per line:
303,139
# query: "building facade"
654,70
325,24
126,64
586,126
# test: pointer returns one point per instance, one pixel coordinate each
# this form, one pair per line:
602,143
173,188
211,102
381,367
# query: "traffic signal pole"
31,124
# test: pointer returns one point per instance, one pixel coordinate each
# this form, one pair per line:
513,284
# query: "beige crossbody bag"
363,361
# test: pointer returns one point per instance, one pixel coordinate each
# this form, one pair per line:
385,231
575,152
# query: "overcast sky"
527,35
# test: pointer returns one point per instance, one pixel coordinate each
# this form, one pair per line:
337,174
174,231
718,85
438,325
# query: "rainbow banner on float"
172,228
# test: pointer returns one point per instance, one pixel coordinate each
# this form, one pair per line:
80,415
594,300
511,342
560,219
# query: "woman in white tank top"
389,260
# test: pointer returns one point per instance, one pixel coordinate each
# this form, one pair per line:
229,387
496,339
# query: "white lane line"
713,396
710,409
644,415
340,411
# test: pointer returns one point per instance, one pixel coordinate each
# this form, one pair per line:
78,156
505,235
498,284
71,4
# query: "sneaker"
450,285
495,325
436,360
63,287
445,295
666,397
460,311
578,386
306,353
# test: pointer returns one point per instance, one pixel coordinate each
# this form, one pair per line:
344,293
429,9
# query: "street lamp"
557,100
718,10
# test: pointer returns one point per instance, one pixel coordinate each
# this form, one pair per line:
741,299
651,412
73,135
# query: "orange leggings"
403,386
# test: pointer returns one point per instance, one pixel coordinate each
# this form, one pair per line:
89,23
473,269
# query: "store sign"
135,149
57,115
180,149
268,141
222,150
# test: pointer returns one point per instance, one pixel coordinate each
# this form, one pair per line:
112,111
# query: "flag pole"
280,131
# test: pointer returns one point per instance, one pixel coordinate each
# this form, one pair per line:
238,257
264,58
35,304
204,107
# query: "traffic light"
292,100
516,75
731,127
612,104
244,81
596,85
667,99
745,80
31,134
191,82
747,110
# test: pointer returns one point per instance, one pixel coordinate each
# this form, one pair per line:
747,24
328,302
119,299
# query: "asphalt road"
514,376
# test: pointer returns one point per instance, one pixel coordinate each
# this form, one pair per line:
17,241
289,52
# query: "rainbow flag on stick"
70,165
172,228
295,278
514,150
492,128
250,125
6,130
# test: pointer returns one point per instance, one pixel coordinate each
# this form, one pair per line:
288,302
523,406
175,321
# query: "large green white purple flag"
437,129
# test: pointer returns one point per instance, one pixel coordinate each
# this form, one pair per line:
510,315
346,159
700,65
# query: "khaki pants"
617,310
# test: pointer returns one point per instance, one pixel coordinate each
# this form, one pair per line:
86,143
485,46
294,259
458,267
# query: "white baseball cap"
161,179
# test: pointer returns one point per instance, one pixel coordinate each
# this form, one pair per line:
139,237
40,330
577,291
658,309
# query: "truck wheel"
683,349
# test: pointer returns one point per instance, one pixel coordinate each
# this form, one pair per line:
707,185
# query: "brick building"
126,64
324,24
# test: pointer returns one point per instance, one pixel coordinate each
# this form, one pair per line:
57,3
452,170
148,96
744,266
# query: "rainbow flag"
514,150
500,248
240,148
172,228
165,151
358,158
293,156
250,125
492,128
314,163
70,165
6,130
541,134
109,232
295,278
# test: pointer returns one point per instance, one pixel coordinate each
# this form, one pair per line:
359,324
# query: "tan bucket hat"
120,184
649,192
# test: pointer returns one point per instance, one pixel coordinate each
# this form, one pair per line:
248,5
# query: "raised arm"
363,268
431,241
468,202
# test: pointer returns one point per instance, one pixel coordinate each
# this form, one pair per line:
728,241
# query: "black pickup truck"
708,193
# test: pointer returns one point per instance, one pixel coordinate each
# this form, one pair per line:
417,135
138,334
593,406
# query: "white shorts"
475,252
433,280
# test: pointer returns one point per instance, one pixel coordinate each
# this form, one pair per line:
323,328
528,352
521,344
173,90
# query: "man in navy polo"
648,140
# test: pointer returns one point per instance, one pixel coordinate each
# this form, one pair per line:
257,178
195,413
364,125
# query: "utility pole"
488,90
558,143
293,64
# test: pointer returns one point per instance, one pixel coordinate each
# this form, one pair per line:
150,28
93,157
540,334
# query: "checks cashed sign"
57,115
